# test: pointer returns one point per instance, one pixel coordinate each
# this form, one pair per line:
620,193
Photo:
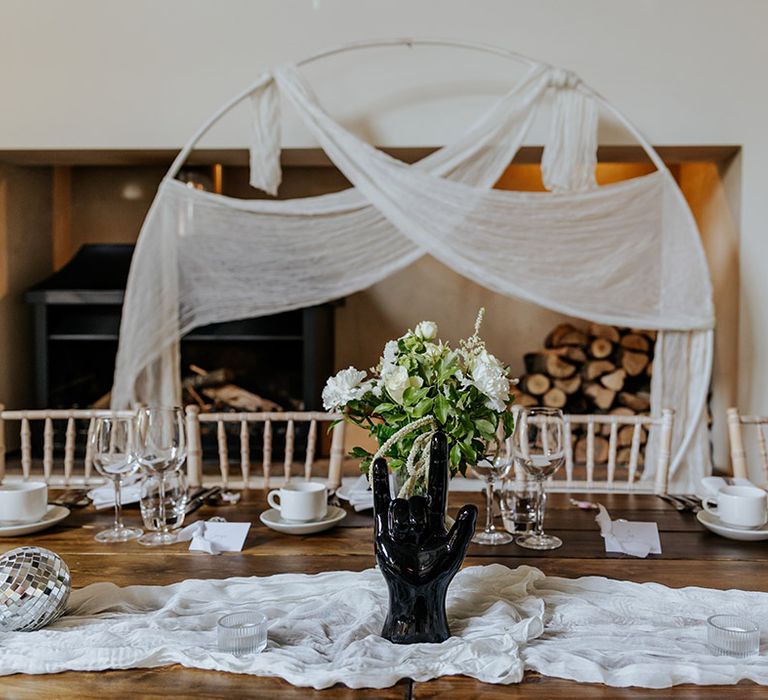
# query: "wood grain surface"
691,557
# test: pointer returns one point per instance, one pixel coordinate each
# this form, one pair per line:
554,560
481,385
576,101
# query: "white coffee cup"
740,506
23,502
303,501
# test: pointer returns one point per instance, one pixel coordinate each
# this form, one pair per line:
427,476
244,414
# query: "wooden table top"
691,556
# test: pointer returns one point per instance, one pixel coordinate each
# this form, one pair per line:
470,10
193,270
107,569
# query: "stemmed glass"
113,450
538,447
494,465
162,447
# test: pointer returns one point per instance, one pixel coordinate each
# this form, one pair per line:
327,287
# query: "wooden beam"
303,157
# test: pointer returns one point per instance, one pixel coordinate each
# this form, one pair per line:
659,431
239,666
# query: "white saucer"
53,515
271,518
714,524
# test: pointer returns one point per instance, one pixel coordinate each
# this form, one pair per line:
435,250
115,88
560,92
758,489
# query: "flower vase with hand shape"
417,555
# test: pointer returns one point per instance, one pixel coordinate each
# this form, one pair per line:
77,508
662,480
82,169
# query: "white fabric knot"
200,541
560,79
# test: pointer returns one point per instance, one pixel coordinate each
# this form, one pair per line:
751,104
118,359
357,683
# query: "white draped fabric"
324,629
627,254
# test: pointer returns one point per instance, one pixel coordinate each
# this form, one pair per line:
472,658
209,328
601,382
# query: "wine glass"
162,448
113,449
495,464
538,447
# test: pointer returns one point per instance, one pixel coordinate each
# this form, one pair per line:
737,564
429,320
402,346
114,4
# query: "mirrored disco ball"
34,588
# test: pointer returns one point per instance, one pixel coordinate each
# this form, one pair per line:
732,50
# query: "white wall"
145,73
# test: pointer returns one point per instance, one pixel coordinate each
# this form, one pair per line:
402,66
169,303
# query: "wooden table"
691,556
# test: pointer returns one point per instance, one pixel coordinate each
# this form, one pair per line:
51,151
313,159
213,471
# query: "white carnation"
426,330
489,377
389,358
346,386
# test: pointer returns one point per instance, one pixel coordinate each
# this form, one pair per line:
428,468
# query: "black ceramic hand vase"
417,556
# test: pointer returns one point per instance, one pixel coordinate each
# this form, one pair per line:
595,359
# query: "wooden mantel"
302,157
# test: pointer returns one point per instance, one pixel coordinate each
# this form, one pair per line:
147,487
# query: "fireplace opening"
101,197
276,362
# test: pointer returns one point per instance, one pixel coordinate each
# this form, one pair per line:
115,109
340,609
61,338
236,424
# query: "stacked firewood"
597,369
216,391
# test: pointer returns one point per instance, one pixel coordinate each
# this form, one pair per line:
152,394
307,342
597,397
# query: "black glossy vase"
417,555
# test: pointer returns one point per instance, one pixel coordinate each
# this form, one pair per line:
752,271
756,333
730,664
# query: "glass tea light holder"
242,633
733,635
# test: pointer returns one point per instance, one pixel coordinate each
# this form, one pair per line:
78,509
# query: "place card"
638,539
215,537
632,537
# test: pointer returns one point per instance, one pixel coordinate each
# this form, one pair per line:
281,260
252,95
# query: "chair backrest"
293,428
605,445
736,436
75,423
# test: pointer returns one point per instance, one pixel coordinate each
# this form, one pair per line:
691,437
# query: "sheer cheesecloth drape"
627,254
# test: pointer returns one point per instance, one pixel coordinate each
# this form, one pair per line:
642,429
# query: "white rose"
426,330
396,381
489,377
344,387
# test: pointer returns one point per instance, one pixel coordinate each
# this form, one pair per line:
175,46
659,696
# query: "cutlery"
73,499
202,496
693,502
677,505
682,503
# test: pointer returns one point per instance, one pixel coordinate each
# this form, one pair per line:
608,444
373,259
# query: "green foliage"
438,385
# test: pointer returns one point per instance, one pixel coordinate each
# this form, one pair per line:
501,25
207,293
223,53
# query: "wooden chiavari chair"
72,420
618,476
268,424
736,422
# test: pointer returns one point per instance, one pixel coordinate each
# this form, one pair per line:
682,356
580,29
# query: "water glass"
519,506
242,632
175,494
732,635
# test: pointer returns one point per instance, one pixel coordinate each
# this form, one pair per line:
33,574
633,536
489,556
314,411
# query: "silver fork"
694,503
684,503
672,500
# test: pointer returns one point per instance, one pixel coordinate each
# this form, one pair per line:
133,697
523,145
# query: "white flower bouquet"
421,385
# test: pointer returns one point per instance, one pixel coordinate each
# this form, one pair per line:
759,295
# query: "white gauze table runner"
325,630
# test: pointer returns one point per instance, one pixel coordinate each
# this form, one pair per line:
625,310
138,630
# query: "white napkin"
635,538
361,497
104,496
214,537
